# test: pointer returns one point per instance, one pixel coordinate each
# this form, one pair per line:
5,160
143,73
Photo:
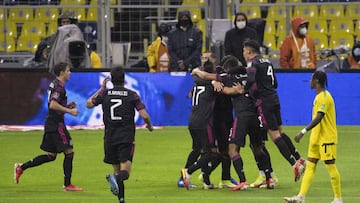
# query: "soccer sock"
121,195
192,158
38,161
263,164
67,165
284,150
122,175
334,177
201,163
308,177
267,155
291,146
239,168
225,164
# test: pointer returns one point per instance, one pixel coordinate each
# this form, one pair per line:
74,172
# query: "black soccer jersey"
118,105
243,104
56,92
203,100
261,80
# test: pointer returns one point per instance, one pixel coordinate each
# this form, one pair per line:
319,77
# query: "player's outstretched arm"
145,116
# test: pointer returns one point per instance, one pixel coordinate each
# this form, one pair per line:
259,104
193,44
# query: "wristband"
303,131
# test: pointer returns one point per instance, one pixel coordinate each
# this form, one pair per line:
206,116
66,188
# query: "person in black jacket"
185,43
235,37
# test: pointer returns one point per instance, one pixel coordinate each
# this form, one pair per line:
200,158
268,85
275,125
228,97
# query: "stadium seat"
318,26
80,12
320,40
201,25
20,15
251,11
72,2
7,44
46,15
352,12
254,1
288,1
3,15
341,39
193,2
307,11
95,2
92,14
331,11
27,44
51,28
277,12
9,29
341,25
33,28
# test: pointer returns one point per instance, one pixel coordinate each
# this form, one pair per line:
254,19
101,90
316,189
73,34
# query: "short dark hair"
252,45
229,61
208,66
117,75
321,77
60,67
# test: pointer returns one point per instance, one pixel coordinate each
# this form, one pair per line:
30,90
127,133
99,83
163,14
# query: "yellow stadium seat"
341,25
320,40
307,11
7,44
33,28
195,13
3,14
341,39
46,15
72,2
193,2
251,11
95,2
21,15
27,44
352,12
80,12
331,11
277,12
288,1
254,1
9,29
52,28
92,14
318,26
276,28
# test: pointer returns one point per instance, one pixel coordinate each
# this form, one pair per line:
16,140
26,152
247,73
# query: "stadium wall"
24,97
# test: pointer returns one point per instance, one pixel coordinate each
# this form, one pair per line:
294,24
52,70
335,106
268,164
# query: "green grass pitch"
159,156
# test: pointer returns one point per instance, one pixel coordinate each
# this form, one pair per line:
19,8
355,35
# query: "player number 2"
117,103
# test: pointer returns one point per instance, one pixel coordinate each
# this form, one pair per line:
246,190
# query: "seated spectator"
158,56
298,49
353,60
95,59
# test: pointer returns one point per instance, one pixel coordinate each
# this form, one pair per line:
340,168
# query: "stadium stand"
9,29
251,11
20,15
46,14
7,44
33,28
27,43
307,11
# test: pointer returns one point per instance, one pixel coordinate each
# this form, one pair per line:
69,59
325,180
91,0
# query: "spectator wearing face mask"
158,57
353,60
185,43
235,37
298,48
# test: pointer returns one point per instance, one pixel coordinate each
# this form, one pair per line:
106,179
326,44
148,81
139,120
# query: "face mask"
184,23
240,24
356,54
165,39
303,31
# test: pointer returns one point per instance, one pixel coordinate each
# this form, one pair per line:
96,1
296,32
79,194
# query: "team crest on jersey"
55,95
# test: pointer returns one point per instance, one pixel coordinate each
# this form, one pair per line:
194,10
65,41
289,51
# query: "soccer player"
118,105
262,84
323,140
203,100
246,122
56,138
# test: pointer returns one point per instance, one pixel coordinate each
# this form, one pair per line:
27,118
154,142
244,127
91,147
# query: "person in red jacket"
298,49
